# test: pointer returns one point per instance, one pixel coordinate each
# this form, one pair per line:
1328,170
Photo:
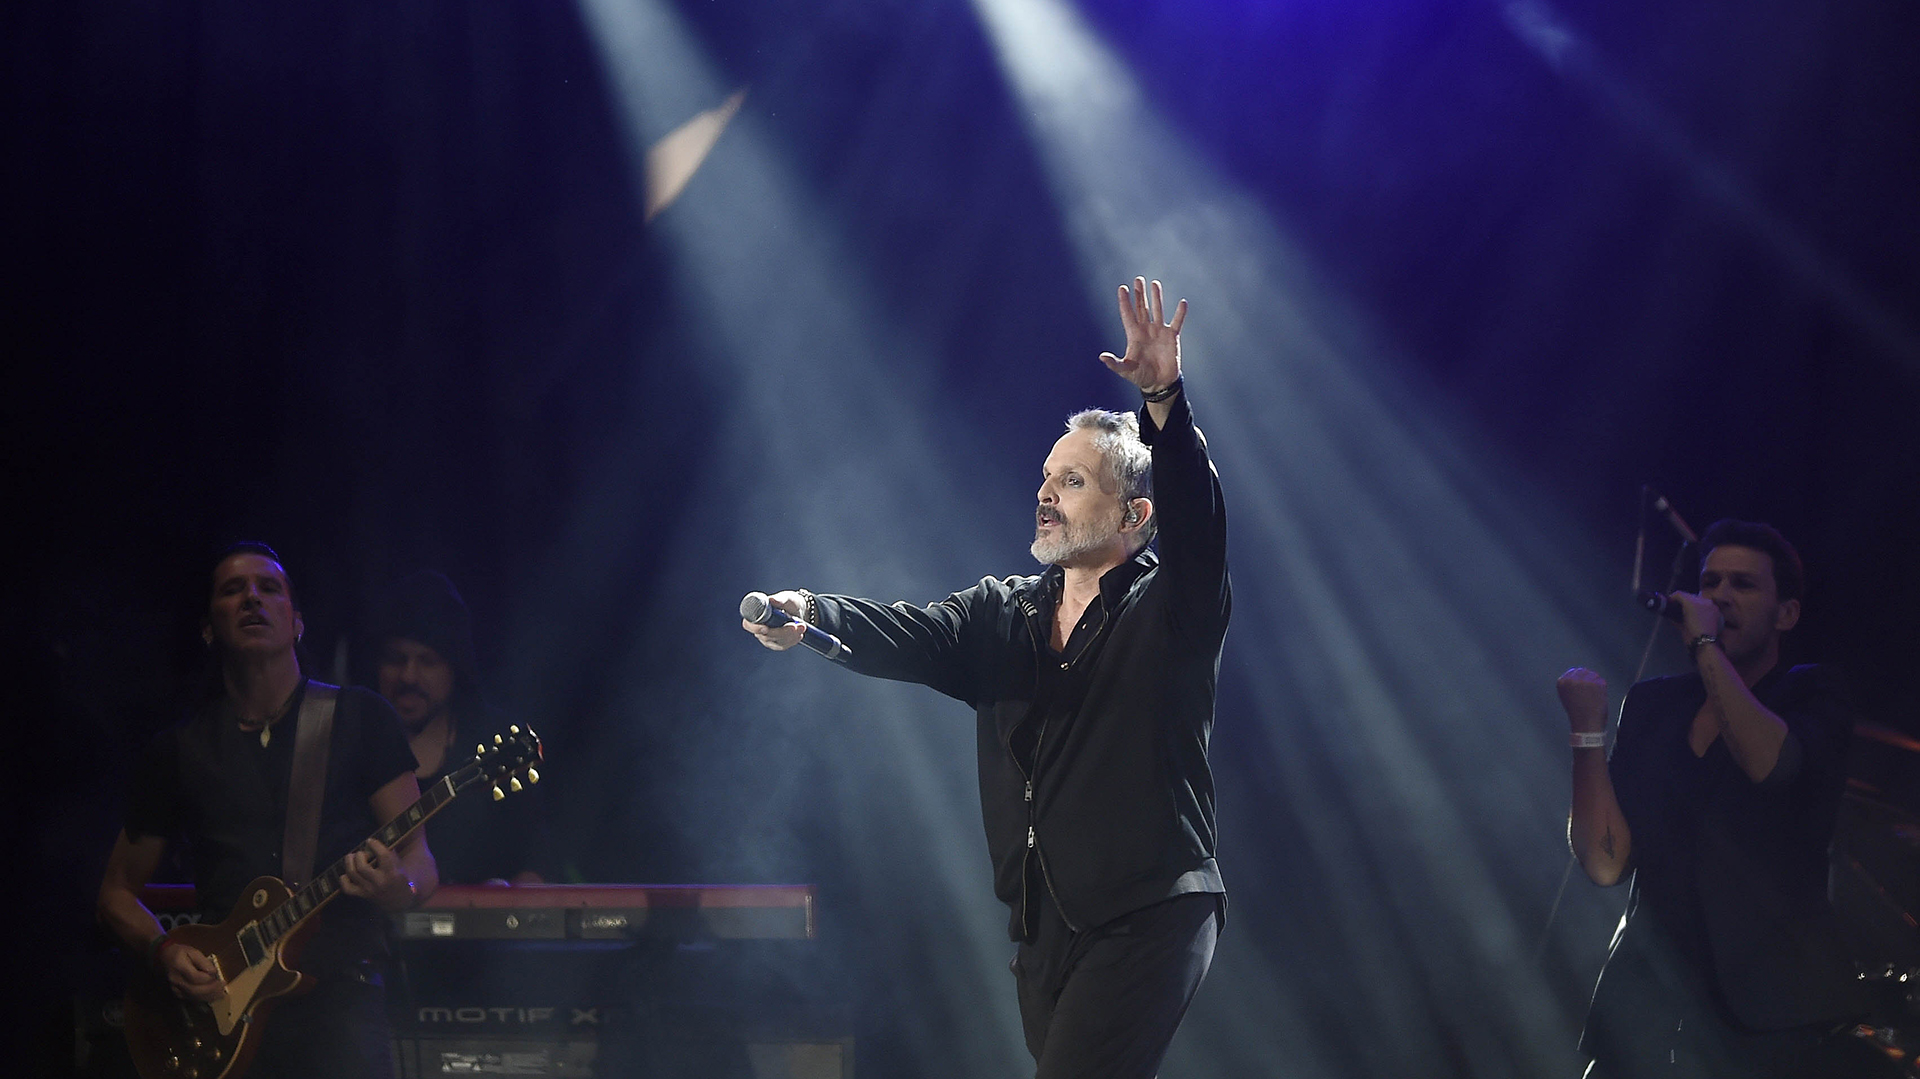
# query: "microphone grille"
755,608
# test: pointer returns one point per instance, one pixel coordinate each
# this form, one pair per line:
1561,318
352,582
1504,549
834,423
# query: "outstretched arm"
1188,510
898,641
1596,829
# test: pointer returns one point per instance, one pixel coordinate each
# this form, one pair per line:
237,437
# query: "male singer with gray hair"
1093,684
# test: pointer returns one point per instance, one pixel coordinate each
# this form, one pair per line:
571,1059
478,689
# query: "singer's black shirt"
1114,733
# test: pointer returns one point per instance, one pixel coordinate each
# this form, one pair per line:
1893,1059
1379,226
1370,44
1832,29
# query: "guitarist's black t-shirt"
213,786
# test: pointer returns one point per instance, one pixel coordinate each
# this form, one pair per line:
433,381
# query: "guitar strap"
309,783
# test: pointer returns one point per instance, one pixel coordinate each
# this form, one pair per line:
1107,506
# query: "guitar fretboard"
261,936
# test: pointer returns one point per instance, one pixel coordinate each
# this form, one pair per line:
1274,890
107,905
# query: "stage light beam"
1394,636
811,378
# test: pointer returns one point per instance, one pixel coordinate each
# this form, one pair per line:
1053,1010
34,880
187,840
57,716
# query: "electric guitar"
172,1038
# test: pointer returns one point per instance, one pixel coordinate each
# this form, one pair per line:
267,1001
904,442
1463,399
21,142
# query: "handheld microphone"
755,607
1659,604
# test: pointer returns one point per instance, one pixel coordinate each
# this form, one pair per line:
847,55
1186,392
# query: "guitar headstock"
506,758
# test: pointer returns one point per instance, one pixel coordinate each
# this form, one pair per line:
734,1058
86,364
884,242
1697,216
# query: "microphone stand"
1648,500
1687,541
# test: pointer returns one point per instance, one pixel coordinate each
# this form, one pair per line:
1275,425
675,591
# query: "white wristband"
1588,739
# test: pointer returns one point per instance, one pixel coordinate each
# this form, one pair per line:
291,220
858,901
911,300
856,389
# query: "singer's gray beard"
1064,546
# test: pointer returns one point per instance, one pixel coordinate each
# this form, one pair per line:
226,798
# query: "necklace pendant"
266,735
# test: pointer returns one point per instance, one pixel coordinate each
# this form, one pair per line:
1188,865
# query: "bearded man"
1093,685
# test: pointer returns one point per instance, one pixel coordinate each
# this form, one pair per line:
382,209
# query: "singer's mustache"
1044,514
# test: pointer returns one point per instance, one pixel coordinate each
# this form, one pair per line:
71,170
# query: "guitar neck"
325,885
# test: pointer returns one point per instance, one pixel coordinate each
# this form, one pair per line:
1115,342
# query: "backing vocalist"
1720,799
1093,686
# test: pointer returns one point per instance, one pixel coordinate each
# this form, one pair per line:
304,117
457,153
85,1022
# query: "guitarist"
221,781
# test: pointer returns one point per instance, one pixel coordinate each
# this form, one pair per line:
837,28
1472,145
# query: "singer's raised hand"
1152,361
781,638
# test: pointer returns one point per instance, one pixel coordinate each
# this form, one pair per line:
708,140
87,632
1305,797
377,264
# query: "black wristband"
1164,392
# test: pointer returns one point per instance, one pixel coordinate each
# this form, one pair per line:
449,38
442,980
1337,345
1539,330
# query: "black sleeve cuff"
1179,416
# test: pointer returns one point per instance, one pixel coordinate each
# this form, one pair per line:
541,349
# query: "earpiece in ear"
1133,516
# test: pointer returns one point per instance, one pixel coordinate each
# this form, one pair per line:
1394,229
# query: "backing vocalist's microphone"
1665,509
1659,604
755,607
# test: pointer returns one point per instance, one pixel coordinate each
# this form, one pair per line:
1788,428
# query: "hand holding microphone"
1676,607
775,621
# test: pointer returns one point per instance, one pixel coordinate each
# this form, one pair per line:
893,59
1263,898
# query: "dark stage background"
373,282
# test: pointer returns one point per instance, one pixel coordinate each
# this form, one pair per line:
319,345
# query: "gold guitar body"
171,1038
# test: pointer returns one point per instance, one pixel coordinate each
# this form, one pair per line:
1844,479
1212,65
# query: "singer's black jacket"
1122,812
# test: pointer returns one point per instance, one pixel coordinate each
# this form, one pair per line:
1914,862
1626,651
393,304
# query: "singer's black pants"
1105,1002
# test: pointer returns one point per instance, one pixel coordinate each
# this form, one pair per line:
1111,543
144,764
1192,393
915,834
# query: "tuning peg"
514,786
479,749
533,775
499,741
513,729
498,793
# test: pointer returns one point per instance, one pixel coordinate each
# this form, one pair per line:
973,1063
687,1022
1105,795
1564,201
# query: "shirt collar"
1113,584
